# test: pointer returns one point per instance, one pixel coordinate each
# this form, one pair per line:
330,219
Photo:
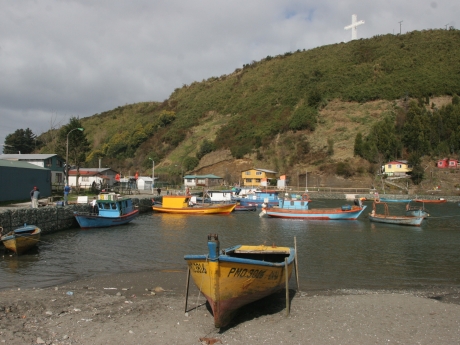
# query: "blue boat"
395,200
258,198
297,208
111,211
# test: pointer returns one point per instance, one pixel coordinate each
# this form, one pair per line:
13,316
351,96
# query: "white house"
202,180
144,183
106,176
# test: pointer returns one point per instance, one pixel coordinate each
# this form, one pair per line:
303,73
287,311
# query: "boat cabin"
110,205
294,202
176,201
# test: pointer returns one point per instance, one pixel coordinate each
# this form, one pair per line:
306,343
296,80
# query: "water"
331,254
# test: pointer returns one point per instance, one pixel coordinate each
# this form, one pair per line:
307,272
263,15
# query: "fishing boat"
431,201
21,239
387,218
182,204
395,200
298,208
234,277
258,198
111,210
239,208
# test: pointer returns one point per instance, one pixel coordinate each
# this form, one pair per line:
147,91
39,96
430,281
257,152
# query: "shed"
144,183
18,178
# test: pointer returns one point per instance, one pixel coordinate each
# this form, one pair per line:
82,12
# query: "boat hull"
228,283
395,200
88,221
245,208
212,209
315,214
431,201
397,220
21,240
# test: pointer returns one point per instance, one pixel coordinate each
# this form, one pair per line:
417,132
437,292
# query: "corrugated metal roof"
28,156
264,170
19,164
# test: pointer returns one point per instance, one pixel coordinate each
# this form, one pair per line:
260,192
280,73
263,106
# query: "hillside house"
397,168
257,177
202,180
50,161
447,163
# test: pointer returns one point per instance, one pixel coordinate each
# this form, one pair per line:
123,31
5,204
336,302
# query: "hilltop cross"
353,25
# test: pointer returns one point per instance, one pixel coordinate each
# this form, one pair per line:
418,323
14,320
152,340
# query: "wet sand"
148,308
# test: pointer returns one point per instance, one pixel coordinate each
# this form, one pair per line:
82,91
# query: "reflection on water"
331,254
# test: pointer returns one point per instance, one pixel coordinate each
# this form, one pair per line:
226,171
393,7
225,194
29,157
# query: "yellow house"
257,177
397,168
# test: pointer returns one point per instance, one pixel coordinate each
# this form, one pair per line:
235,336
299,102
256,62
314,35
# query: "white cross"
353,25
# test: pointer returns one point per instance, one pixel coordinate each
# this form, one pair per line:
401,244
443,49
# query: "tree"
22,140
78,144
358,149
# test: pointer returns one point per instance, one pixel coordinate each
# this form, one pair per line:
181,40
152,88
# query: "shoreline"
148,308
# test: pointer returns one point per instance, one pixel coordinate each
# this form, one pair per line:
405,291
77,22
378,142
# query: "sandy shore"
148,308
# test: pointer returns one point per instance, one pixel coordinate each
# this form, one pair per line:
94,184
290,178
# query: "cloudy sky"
64,58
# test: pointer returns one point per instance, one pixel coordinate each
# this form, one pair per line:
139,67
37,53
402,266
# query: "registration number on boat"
198,268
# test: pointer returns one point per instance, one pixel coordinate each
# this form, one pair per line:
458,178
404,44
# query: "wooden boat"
395,200
22,239
258,198
431,201
239,208
112,210
238,275
182,204
398,220
298,208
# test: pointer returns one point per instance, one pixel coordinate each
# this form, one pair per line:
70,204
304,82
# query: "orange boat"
181,204
431,201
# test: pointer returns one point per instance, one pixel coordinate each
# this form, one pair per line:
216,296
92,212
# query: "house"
50,161
397,168
18,179
87,176
447,163
202,180
257,177
144,183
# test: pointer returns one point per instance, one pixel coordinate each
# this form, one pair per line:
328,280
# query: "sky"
76,58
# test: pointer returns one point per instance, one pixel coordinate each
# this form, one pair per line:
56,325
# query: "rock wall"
53,218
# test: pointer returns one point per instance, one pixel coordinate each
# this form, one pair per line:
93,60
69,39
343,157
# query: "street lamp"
153,173
67,154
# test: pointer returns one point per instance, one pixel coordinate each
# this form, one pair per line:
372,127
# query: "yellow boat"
239,275
182,204
22,239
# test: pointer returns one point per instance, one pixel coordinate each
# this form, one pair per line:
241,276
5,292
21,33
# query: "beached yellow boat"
182,204
239,275
22,239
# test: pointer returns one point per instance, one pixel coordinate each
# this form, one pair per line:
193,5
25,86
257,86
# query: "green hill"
286,112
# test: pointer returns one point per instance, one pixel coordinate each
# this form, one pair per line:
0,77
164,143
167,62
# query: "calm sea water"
331,254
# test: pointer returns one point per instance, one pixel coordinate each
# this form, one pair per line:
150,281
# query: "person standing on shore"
32,196
35,197
66,194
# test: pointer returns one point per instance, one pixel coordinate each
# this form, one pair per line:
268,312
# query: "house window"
257,180
451,163
48,162
247,173
58,178
85,179
399,166
59,163
201,181
258,173
248,180
189,180
389,166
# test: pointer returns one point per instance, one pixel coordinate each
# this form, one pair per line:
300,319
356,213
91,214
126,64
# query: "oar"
287,285
186,287
296,266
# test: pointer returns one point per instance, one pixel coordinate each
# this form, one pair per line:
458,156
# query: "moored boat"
239,208
395,200
239,275
258,198
22,239
417,211
431,201
182,204
111,210
397,220
298,208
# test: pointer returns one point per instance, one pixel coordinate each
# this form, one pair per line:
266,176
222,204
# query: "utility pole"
400,26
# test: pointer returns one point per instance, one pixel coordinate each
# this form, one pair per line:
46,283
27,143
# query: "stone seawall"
53,218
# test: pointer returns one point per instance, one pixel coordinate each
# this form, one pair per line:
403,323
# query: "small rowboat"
431,201
395,200
245,208
22,239
397,220
238,275
181,204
